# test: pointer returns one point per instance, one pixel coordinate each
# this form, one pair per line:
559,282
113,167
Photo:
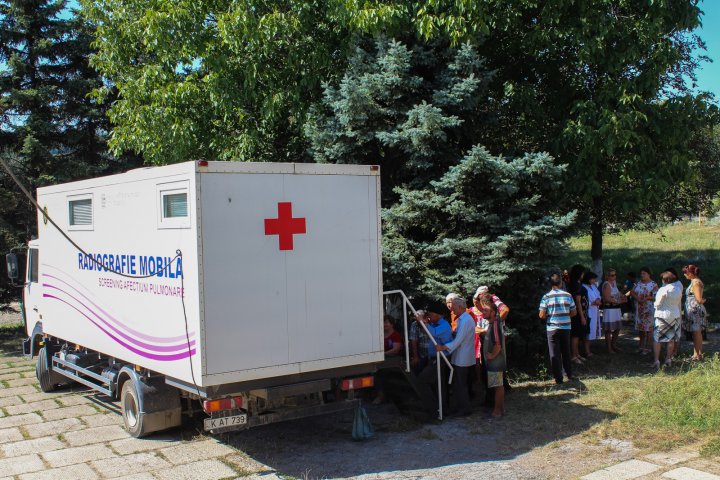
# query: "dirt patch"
465,448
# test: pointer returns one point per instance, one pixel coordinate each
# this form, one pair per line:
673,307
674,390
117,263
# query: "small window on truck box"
174,205
80,212
33,265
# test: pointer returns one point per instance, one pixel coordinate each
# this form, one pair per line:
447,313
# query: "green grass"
618,398
670,408
11,330
711,448
675,245
663,410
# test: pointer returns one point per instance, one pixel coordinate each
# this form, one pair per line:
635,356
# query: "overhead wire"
178,256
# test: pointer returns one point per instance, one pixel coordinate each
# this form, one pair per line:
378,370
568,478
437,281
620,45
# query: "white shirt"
463,346
668,300
593,294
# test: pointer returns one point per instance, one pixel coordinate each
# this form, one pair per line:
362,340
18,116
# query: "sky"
709,73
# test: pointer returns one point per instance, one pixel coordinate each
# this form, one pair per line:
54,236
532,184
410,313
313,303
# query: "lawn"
675,245
621,396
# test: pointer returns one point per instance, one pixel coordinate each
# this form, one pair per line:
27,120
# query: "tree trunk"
596,235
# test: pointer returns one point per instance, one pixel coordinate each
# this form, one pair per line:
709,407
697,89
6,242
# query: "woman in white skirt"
612,298
667,316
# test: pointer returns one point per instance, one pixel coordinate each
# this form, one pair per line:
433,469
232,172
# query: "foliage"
457,21
412,110
488,221
699,194
216,79
604,86
233,80
457,216
50,130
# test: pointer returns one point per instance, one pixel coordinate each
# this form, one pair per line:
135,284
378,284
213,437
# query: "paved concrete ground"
76,434
677,465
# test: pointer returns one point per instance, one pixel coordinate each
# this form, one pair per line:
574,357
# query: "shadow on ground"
538,414
322,447
11,337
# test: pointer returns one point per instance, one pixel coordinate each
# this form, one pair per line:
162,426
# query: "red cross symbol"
285,226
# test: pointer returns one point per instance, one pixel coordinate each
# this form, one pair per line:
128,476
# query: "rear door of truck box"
291,272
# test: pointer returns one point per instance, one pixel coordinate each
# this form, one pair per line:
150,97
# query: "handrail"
438,355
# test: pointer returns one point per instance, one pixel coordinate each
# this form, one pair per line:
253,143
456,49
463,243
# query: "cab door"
32,293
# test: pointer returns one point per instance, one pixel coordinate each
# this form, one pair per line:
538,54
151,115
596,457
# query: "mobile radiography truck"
253,288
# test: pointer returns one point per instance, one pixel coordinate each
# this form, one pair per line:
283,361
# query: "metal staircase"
400,383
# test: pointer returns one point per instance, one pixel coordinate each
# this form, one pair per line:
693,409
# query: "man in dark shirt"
494,353
441,332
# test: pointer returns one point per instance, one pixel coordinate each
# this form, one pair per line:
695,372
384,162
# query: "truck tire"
149,405
46,377
130,406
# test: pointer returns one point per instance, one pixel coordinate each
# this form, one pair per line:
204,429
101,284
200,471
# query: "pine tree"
411,110
489,220
456,216
51,129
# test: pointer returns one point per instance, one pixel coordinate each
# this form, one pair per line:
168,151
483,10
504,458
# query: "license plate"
222,422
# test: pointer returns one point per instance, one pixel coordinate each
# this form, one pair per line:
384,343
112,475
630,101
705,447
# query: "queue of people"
473,341
576,311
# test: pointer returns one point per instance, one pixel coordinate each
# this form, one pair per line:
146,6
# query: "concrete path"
676,465
78,435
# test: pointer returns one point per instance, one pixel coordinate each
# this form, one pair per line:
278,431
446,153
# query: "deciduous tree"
215,79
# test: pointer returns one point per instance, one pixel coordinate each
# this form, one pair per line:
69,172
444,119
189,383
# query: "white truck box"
280,268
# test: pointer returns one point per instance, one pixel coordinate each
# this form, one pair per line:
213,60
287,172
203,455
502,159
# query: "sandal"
656,364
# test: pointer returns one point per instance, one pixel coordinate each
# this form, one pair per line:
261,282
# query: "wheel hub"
131,411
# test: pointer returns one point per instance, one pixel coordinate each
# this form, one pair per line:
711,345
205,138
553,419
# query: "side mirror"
13,270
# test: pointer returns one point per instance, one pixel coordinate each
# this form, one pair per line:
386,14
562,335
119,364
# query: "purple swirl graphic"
117,322
152,356
156,348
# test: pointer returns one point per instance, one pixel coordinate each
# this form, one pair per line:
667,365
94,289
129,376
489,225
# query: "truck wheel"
149,405
130,405
47,378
